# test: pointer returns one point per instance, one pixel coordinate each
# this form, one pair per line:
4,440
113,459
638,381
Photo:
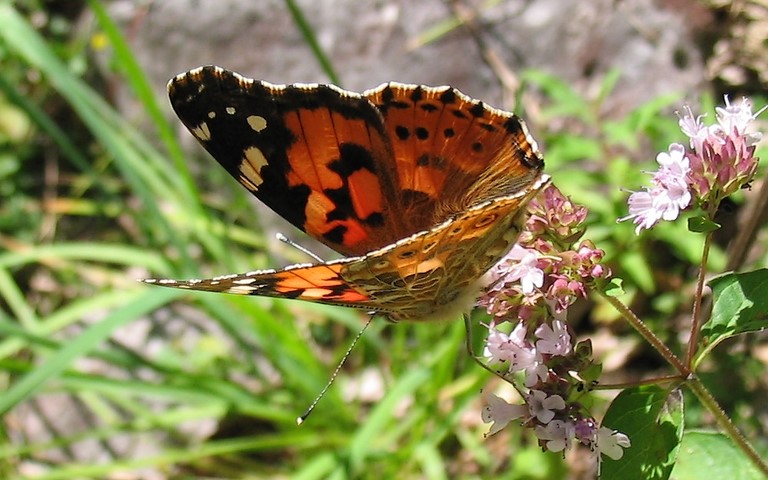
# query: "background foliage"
155,382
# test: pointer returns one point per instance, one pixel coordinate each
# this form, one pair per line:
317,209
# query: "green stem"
690,379
696,317
645,381
725,423
647,334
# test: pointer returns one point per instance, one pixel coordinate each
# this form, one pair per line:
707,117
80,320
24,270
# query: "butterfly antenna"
298,247
335,373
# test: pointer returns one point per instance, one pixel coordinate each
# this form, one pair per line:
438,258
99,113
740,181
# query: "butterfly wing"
424,188
320,283
431,275
356,172
317,155
451,151
437,274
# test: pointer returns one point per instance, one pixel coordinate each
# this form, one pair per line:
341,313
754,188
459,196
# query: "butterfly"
421,189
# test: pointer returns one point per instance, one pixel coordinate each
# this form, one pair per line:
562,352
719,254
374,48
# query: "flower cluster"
529,294
719,160
547,270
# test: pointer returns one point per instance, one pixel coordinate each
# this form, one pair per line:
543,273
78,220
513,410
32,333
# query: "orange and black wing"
433,274
452,151
357,172
320,283
317,155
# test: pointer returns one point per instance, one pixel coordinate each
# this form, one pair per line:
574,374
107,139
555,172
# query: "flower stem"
725,423
689,378
645,381
649,336
696,316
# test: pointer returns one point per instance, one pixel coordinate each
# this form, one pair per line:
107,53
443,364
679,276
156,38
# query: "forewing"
315,154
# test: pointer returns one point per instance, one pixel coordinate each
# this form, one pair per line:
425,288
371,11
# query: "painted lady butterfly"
422,189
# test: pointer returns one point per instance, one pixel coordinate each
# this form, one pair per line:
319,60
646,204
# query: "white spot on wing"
202,132
257,123
230,110
250,168
242,289
211,114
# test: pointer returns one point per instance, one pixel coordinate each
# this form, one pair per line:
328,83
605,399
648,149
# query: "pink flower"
556,215
554,340
526,270
736,118
512,348
720,161
501,413
611,443
668,195
536,372
585,431
542,406
693,128
557,435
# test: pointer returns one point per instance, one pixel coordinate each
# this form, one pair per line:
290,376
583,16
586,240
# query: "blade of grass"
136,304
309,35
126,61
45,124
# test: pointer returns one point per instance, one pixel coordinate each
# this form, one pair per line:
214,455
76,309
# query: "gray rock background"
372,41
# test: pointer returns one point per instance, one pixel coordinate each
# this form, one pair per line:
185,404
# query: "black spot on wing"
477,110
448,96
352,157
337,196
402,132
388,101
417,94
458,114
512,125
375,219
289,293
336,235
387,95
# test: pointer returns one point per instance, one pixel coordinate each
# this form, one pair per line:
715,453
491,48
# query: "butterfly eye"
485,221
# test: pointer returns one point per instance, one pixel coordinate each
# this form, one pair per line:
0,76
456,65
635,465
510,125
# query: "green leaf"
701,224
652,418
614,287
740,305
704,454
